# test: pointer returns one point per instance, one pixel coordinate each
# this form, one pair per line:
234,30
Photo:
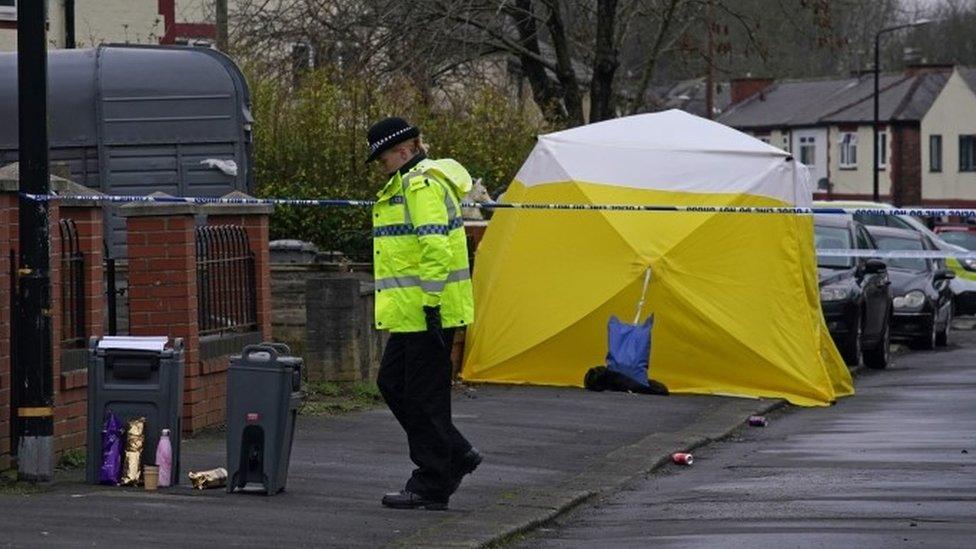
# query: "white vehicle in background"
963,286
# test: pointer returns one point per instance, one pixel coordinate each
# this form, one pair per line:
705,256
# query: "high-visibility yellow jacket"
420,252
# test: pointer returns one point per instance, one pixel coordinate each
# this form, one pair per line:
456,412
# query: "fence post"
160,240
255,220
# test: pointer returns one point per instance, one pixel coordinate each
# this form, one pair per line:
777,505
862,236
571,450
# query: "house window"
786,142
967,153
882,150
8,10
808,149
935,153
848,150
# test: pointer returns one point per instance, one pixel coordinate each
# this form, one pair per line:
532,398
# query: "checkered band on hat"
381,142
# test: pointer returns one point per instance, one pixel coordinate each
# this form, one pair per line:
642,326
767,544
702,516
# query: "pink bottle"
164,458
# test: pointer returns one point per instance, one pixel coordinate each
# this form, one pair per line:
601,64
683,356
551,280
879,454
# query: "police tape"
325,202
896,254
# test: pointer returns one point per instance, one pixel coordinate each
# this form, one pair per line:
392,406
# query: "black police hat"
389,132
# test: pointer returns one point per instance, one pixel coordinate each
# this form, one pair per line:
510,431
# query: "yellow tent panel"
734,296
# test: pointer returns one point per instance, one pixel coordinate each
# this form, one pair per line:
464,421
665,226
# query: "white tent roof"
671,150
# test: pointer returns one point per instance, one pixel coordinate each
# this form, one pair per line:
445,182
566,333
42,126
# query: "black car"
854,292
922,298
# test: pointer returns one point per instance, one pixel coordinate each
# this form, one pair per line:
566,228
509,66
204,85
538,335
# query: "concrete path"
545,450
893,467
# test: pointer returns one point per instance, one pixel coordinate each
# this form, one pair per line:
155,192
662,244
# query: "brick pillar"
8,220
163,287
71,378
60,412
255,220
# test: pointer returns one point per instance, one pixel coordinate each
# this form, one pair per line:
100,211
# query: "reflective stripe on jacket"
420,251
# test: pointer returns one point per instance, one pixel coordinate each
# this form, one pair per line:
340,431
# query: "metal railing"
73,329
225,280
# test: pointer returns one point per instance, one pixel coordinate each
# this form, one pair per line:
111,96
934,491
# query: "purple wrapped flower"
111,470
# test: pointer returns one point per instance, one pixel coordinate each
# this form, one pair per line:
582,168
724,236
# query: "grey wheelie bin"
135,377
263,397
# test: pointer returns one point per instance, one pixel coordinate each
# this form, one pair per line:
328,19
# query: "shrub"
310,142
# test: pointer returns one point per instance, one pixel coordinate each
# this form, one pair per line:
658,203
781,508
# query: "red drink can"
757,421
683,458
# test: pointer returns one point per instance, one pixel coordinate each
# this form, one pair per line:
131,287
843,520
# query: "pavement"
895,466
546,451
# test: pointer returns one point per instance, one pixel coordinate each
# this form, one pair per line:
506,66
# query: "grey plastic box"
132,384
263,397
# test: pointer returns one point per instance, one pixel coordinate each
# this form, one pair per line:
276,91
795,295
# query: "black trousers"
415,380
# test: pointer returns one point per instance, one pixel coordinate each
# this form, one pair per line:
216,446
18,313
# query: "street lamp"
877,65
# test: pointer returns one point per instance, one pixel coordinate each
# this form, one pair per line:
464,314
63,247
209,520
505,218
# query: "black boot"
410,500
468,463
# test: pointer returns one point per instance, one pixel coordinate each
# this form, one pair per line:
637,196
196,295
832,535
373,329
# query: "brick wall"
13,235
289,298
206,402
163,293
8,217
70,383
340,342
54,216
70,386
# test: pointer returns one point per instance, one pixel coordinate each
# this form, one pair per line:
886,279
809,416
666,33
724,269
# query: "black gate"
73,329
225,280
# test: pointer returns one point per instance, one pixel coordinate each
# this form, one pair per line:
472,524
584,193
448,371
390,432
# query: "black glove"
433,317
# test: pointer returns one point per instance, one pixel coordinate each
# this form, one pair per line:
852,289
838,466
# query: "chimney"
927,68
744,88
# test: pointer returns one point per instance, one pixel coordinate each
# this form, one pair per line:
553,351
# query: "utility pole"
875,184
222,39
69,24
710,69
35,414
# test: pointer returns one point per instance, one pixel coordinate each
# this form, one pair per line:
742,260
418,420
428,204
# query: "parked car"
922,298
960,235
854,292
963,287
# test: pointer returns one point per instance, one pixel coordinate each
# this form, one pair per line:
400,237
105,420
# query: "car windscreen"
832,238
872,219
895,243
965,239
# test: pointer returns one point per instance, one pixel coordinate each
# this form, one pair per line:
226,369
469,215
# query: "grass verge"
324,398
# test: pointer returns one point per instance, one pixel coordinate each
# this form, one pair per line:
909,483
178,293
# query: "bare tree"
583,59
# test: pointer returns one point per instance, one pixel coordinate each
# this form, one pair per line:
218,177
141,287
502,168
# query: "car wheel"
879,357
942,338
850,350
927,342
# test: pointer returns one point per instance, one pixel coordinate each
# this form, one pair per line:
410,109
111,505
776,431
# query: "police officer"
423,292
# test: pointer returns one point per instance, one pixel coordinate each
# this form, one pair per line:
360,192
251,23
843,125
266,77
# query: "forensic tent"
734,296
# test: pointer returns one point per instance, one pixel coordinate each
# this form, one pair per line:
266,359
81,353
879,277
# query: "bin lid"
289,361
155,344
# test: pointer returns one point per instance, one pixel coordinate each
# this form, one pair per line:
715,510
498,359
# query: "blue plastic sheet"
628,348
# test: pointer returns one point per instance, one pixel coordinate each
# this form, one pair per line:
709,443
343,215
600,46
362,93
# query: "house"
80,23
689,96
927,131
